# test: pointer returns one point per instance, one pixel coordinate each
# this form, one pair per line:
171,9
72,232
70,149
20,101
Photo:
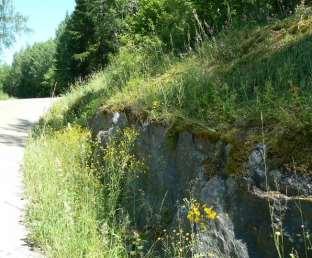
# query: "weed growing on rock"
177,243
119,168
199,214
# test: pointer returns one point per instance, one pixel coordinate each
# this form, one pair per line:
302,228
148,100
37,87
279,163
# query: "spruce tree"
73,55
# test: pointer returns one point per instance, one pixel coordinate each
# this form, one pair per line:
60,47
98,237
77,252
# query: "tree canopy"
32,74
97,28
11,22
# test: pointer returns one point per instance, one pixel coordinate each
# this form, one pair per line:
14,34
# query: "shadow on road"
11,140
17,133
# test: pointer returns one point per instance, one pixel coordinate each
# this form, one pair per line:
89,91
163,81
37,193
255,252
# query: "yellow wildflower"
199,213
194,214
210,213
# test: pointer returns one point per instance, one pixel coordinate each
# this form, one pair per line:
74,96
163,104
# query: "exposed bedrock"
250,202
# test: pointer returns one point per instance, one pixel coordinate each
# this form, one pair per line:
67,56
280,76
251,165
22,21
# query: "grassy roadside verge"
64,195
74,203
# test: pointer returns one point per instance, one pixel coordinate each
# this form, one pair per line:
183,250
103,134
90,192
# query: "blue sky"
44,17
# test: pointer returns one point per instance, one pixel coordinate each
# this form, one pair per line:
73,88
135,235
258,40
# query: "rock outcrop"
250,203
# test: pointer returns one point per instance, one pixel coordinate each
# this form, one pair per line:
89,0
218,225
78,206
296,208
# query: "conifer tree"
72,54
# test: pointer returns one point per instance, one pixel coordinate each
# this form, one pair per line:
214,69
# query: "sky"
44,16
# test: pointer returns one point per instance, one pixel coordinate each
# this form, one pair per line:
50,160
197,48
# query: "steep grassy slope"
250,78
230,78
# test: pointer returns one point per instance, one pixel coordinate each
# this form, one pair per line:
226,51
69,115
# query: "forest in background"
87,39
11,23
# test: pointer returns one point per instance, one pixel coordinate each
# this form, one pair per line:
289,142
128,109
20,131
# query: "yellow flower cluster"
210,213
194,215
199,213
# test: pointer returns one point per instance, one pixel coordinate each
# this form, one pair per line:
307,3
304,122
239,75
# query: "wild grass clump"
64,197
75,193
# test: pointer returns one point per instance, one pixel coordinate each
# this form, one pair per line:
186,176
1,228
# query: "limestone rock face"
104,125
249,204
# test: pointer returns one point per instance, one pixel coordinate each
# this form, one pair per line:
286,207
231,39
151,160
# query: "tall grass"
230,78
74,193
233,77
64,196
